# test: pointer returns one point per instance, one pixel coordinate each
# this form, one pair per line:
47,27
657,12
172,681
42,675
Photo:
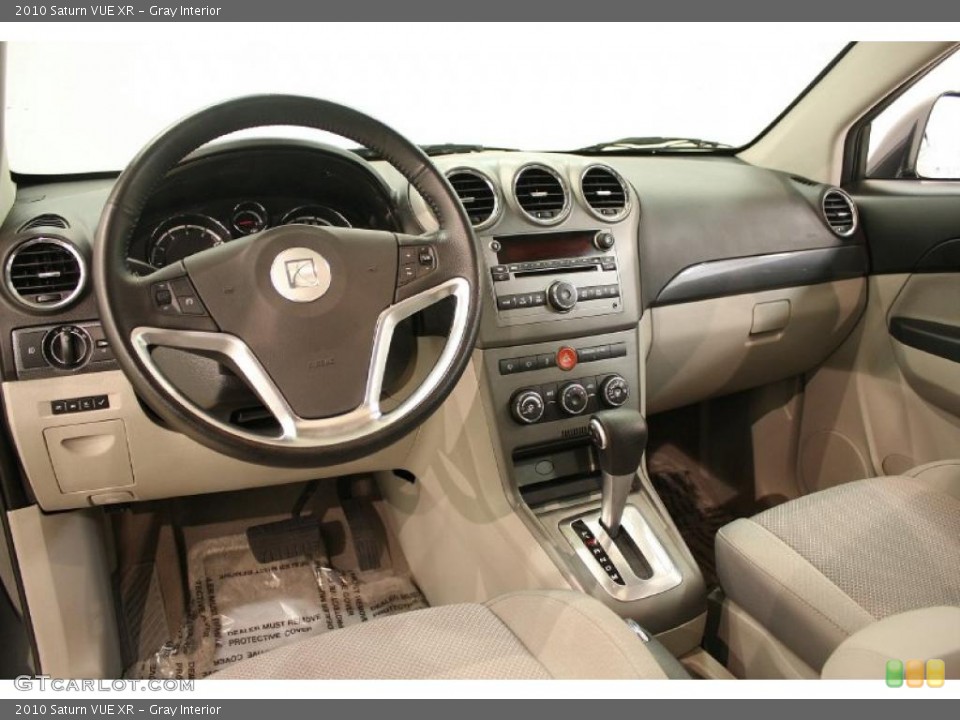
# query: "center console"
560,345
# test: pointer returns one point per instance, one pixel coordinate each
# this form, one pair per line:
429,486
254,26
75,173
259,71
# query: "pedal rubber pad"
286,539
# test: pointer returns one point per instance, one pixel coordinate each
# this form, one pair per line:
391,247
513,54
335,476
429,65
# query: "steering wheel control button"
83,404
528,407
562,296
416,261
300,275
574,398
567,358
187,299
67,347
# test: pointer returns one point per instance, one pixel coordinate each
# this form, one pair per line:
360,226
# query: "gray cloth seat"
815,570
528,635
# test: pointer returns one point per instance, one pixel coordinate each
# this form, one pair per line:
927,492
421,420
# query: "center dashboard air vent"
605,193
542,194
478,195
840,212
45,273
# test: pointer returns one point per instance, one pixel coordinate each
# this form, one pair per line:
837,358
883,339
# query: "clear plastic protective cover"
240,608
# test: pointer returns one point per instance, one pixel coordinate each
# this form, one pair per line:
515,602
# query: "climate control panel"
568,399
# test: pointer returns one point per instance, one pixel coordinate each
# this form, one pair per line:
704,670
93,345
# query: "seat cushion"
817,569
528,635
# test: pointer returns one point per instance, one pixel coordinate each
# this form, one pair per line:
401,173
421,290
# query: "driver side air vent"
477,194
45,221
605,193
839,212
45,273
541,194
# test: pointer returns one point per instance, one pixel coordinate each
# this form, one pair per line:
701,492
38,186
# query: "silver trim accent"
567,202
665,576
497,199
69,247
627,201
300,275
855,216
360,422
613,499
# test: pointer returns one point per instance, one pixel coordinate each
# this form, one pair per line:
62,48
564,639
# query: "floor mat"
240,608
695,516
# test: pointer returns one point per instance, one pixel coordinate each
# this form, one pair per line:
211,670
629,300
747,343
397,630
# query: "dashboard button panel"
566,358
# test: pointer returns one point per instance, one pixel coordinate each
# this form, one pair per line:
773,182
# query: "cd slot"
554,270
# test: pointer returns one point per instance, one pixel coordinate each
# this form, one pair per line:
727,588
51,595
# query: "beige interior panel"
164,463
755,654
808,140
462,539
934,297
861,417
66,581
708,348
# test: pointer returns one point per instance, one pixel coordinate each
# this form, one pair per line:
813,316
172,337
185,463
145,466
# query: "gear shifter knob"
620,437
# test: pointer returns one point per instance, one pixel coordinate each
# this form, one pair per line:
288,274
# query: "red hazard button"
566,358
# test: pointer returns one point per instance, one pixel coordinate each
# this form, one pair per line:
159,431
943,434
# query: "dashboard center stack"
548,276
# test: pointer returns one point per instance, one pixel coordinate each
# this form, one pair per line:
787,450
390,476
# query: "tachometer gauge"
181,236
314,215
249,218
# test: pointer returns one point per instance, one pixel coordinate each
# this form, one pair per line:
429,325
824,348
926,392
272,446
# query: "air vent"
839,212
45,273
541,194
605,192
478,195
803,181
45,221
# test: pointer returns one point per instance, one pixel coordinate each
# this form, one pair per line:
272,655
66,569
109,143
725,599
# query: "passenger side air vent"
541,194
839,212
45,221
45,273
605,192
478,195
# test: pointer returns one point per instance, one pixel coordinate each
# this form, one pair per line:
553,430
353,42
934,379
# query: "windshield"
89,107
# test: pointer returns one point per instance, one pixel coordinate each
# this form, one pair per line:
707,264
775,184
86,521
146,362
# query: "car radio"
554,275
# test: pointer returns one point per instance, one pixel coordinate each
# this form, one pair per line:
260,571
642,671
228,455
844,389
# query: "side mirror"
925,143
938,156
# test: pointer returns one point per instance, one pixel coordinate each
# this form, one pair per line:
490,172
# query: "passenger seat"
816,570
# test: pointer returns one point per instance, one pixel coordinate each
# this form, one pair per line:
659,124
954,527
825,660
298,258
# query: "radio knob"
562,296
604,240
527,407
67,347
615,390
574,398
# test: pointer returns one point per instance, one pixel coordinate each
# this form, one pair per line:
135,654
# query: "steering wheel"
304,315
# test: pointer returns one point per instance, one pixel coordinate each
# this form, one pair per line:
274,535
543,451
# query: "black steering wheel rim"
124,299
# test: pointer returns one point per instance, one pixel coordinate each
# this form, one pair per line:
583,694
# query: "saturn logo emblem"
300,275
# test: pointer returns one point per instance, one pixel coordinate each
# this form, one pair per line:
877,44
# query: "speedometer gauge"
314,215
181,236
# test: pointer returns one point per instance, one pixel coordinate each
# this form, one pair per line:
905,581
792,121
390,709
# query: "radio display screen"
545,246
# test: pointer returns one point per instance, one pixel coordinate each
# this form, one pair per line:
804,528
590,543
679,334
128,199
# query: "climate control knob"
574,398
562,296
614,390
527,407
66,347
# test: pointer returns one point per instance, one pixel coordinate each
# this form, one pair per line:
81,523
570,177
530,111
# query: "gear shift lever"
620,437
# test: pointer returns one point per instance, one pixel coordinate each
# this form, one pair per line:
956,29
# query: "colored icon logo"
913,672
